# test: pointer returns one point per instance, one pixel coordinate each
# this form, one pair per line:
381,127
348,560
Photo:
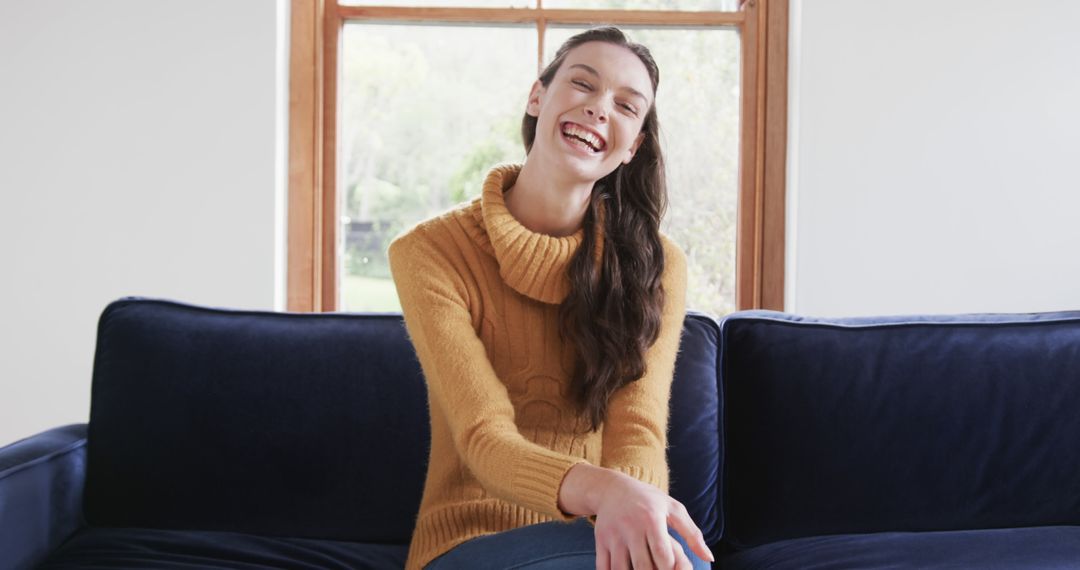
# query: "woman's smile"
591,136
579,146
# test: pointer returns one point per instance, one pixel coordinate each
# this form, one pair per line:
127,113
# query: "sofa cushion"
281,424
1009,548
179,549
856,425
695,447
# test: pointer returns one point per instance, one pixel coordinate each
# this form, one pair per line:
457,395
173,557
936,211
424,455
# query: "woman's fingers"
660,548
620,558
603,558
640,555
680,520
611,554
682,561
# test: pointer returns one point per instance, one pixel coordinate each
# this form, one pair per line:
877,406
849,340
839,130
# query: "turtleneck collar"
532,263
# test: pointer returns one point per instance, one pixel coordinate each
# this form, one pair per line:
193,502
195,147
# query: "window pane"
425,111
697,103
443,3
420,127
678,5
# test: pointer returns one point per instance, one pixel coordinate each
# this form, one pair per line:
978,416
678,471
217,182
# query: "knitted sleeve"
635,430
463,384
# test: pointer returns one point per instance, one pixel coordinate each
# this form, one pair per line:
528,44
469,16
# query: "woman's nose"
592,112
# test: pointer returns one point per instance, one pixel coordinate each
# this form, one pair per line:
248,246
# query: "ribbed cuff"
537,478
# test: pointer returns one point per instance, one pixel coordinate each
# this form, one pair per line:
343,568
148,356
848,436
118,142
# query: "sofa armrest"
41,492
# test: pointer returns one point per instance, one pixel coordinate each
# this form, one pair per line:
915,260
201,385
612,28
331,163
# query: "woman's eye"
587,86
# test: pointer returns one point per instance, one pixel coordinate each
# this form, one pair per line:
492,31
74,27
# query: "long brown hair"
612,313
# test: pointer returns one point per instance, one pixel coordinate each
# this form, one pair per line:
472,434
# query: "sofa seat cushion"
1028,548
102,547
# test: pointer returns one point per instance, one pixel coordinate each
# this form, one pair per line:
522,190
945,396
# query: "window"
397,116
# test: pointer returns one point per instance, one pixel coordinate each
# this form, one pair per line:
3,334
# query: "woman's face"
593,90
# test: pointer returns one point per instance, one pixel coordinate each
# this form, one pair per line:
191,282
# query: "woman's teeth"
579,143
582,137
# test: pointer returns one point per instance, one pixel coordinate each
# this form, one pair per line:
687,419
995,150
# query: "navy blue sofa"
222,438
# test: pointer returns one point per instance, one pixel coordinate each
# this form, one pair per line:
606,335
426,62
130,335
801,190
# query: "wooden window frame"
315,31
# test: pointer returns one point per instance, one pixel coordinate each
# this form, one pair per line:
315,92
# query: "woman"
546,316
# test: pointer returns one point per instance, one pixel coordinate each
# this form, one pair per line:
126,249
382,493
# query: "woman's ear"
537,92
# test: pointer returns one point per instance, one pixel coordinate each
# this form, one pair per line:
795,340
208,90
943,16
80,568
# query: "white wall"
933,156
137,157
932,167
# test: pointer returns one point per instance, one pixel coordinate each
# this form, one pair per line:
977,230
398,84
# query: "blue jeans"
551,545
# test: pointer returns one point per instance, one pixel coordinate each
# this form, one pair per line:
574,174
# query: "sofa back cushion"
302,424
695,446
290,424
856,425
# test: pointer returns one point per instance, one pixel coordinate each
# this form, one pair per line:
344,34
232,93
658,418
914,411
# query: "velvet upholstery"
282,424
41,488
927,423
695,444
1042,547
100,547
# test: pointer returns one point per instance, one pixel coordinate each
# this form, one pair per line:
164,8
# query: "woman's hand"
632,520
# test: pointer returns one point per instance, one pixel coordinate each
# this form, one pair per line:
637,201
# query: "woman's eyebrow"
597,74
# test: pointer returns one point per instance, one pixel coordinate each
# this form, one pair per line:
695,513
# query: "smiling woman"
562,97
546,315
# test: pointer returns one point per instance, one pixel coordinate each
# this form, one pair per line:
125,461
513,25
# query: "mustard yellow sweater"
480,295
